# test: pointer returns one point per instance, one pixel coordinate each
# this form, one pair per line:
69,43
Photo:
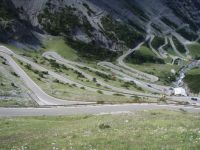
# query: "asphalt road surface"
95,110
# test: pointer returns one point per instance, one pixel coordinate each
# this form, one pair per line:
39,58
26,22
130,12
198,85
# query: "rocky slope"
111,24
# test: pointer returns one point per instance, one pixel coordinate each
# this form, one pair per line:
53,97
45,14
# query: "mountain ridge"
130,16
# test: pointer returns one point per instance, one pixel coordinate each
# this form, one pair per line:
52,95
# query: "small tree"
94,80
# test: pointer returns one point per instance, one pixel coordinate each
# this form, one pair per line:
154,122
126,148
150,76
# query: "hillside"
109,24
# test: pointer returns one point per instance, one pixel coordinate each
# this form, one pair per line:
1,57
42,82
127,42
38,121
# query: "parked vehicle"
194,99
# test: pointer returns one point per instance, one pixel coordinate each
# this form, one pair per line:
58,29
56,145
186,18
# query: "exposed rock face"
13,29
157,17
29,9
187,10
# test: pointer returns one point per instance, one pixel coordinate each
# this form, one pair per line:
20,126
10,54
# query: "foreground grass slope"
141,130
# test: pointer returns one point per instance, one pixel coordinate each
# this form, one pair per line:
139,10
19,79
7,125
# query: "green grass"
144,55
163,71
59,45
146,51
142,130
192,79
56,44
146,61
71,92
194,50
16,103
113,82
65,72
5,84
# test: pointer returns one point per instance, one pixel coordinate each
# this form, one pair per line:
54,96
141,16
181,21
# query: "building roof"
180,91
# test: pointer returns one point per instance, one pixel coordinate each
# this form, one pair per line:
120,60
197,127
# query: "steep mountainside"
16,30
190,9
111,24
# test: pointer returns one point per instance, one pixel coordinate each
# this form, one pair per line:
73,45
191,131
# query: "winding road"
175,49
44,99
120,73
53,106
152,48
138,73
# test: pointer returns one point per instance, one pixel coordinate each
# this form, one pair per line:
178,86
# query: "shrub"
94,80
28,66
98,85
162,99
13,85
2,84
137,99
126,85
100,102
45,72
54,64
56,81
104,126
74,85
105,76
4,63
13,73
79,75
100,92
83,88
117,94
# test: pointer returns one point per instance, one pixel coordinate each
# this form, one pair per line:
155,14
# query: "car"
149,85
194,99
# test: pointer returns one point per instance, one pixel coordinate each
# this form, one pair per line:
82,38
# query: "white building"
180,92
